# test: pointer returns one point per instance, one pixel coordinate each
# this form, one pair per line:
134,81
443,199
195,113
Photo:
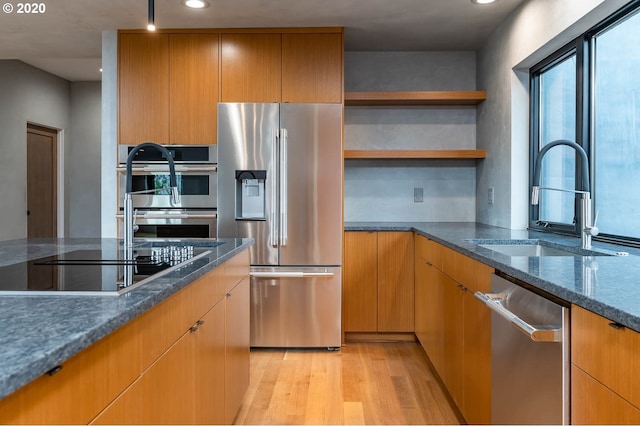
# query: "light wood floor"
363,383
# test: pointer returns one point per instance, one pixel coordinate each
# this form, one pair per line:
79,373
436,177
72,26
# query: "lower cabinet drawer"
594,403
607,352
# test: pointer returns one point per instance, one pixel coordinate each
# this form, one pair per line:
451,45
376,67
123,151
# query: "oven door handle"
165,169
172,216
537,333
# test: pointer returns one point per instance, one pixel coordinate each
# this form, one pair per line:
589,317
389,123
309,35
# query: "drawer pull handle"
54,370
616,325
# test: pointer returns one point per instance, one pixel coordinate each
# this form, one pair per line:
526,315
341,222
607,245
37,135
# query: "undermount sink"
539,248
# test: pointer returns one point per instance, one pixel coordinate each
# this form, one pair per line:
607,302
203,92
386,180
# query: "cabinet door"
237,349
452,329
86,383
193,88
421,302
312,67
143,88
395,282
164,394
594,403
476,406
360,282
210,367
251,67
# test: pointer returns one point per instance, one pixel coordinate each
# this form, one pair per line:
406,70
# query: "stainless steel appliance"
280,182
174,223
156,216
529,355
109,271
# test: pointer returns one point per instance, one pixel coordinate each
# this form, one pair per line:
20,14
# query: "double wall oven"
155,215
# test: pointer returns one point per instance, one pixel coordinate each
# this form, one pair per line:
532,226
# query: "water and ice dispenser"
250,194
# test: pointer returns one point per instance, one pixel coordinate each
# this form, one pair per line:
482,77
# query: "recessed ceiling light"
483,1
196,4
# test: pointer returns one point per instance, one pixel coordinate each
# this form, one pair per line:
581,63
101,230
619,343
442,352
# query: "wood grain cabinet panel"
143,88
378,282
360,282
395,282
594,403
237,339
193,88
167,88
453,327
251,68
608,353
312,67
86,383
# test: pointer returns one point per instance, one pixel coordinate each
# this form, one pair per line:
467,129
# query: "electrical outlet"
418,195
491,195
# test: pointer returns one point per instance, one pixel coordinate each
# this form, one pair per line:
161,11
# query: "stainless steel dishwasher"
529,354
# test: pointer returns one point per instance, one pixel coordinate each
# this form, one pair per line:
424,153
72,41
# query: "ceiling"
66,39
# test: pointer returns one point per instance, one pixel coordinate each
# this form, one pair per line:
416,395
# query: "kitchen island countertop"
606,285
39,332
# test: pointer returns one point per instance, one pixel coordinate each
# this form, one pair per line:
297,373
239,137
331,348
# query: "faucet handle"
135,226
593,230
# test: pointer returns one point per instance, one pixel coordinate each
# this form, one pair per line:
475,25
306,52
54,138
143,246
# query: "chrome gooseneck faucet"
588,228
128,203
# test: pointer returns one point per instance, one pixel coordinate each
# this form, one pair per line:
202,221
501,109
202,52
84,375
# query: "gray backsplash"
383,190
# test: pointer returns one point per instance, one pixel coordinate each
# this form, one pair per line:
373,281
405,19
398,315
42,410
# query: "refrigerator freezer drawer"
296,307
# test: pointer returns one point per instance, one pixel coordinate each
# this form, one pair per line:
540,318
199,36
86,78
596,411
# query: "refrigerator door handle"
283,187
273,235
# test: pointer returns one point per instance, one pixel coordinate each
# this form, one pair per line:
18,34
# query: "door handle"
297,274
273,241
284,184
537,333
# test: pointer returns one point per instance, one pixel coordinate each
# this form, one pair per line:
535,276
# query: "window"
588,92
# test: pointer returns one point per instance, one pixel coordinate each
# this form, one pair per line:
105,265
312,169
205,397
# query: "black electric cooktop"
102,272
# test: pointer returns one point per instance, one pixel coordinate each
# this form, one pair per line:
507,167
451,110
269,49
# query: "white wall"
83,158
27,94
536,29
383,190
109,144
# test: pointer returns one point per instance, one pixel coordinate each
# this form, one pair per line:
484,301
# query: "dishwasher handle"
537,333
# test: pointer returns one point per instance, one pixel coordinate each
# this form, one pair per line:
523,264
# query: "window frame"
584,48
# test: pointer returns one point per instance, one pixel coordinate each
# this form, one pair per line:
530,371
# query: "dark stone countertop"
606,285
39,332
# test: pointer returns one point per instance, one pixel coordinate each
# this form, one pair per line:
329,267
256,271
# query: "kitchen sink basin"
539,248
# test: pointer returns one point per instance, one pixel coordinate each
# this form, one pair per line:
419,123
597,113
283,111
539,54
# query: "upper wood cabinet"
193,88
287,67
312,67
251,68
143,88
167,88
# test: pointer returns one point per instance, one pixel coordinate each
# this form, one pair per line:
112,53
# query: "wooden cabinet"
312,67
453,327
605,370
251,68
378,282
281,67
395,282
185,361
167,88
143,88
236,377
193,89
86,383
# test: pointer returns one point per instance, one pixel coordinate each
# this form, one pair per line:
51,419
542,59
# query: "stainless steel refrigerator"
280,176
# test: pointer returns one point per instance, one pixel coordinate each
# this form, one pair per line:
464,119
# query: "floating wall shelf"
414,98
416,154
